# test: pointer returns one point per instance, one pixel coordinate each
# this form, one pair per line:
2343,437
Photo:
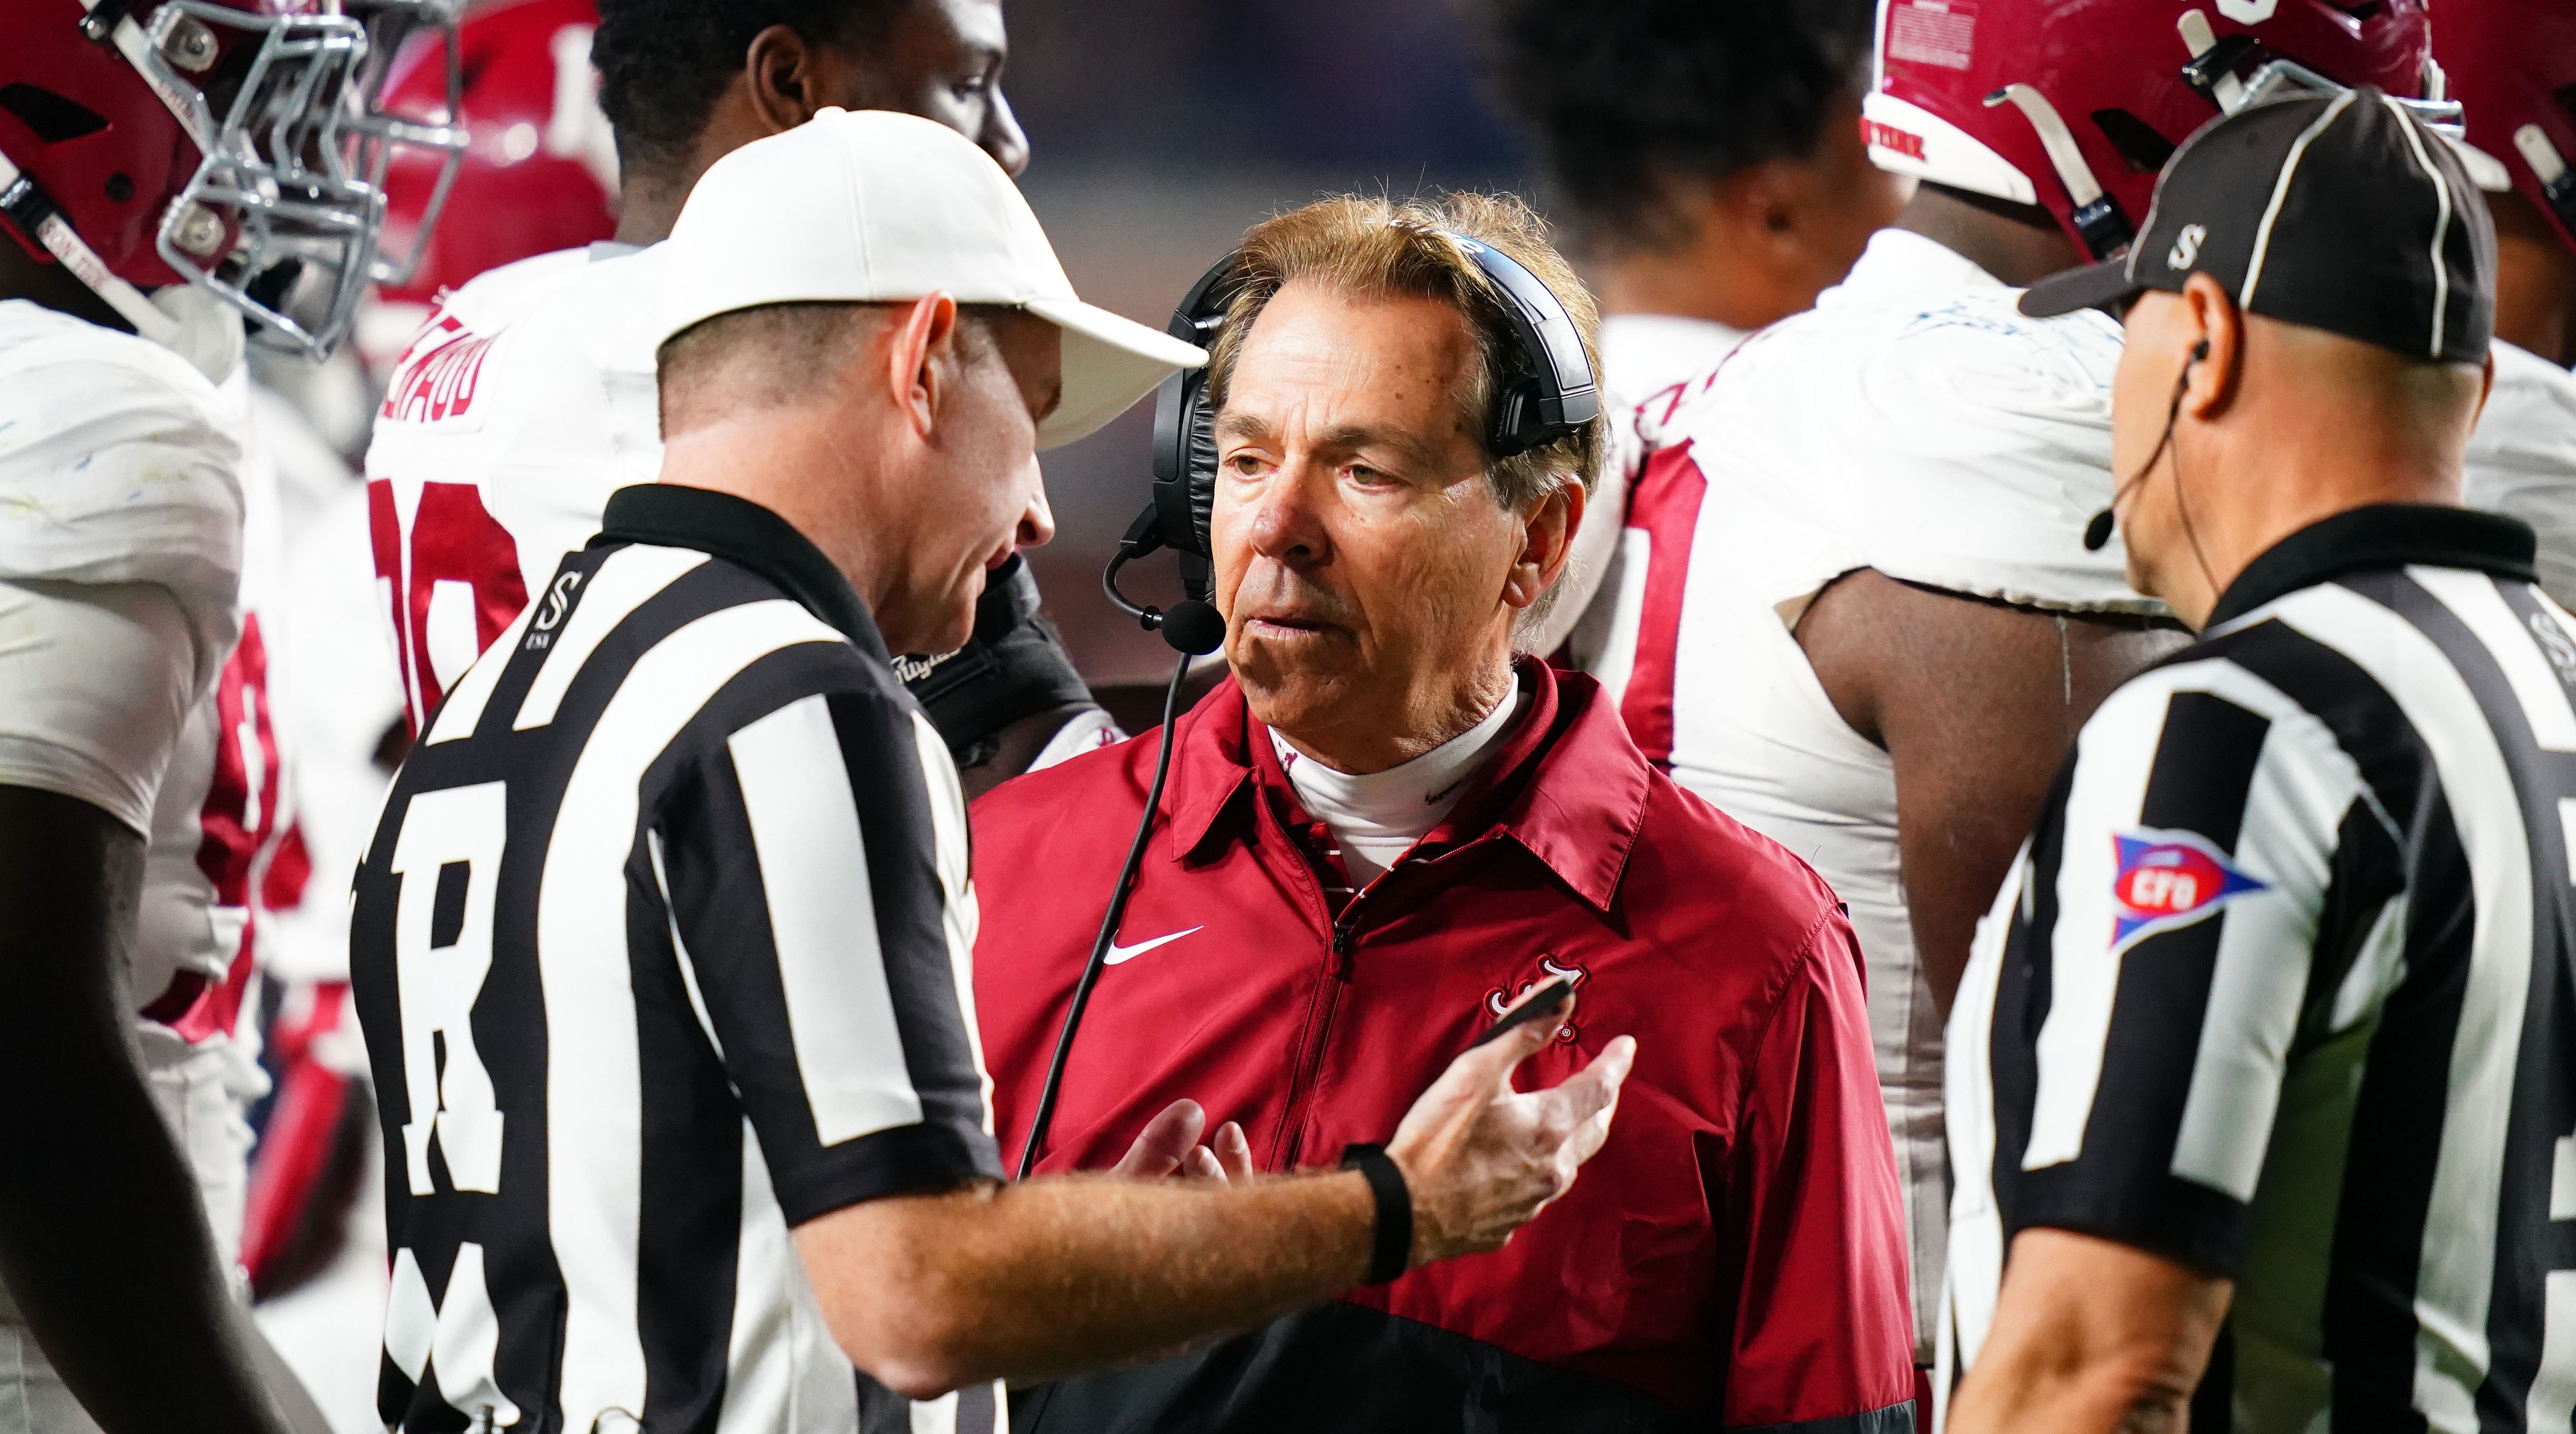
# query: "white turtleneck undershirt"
1375,818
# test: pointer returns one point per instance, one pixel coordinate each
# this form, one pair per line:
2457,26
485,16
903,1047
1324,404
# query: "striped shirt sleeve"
816,870
2159,970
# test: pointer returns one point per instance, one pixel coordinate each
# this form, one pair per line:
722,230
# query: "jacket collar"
2382,535
668,515
1567,784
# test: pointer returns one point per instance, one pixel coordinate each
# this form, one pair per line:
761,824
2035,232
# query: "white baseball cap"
876,206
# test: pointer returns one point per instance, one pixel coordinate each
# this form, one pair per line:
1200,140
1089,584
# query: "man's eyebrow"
1241,425
1415,452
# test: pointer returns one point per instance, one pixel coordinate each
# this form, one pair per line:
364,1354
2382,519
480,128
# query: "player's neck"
1697,281
52,286
648,204
2535,281
2017,243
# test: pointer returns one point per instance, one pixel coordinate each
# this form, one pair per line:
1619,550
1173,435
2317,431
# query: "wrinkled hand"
1481,1159
1169,1144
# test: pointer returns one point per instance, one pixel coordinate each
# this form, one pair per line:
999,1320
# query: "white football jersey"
137,518
525,401
120,545
2522,459
1915,423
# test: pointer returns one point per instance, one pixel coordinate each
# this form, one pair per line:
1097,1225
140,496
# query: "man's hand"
1170,1143
928,1293
1482,1159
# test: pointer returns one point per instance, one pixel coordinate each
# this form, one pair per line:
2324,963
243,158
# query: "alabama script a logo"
2162,880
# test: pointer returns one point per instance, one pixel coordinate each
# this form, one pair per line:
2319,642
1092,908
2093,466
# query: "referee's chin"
934,625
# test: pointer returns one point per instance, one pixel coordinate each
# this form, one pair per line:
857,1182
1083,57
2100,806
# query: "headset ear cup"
1199,469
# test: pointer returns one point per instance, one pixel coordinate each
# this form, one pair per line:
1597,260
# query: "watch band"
1391,1251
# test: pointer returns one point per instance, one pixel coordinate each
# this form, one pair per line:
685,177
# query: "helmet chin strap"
2096,216
214,348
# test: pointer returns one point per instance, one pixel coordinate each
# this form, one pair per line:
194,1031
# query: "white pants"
201,1092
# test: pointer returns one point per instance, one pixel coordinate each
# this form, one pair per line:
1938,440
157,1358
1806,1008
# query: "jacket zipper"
1319,1021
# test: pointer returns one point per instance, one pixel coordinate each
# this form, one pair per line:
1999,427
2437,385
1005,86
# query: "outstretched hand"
1482,1159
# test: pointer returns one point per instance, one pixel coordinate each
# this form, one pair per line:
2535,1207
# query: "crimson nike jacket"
1735,1255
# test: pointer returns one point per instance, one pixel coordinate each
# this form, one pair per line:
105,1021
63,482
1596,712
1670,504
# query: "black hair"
662,63
1620,92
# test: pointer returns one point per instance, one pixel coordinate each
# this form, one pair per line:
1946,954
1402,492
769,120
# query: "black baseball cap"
2341,211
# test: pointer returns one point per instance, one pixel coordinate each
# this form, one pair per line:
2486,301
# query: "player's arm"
103,1244
1066,1273
2091,1335
1974,703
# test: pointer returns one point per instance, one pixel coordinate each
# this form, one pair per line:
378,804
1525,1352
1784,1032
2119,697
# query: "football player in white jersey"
1711,160
158,162
529,395
2510,63
1713,171
1862,616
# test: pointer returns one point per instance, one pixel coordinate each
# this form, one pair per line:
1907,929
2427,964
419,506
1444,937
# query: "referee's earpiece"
2097,532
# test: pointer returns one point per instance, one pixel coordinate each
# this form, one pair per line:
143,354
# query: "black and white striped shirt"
661,950
2281,989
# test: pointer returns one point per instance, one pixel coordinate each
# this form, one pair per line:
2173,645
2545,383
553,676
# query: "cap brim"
2095,286
1109,363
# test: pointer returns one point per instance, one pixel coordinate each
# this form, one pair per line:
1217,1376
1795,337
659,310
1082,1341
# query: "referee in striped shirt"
662,947
2263,1076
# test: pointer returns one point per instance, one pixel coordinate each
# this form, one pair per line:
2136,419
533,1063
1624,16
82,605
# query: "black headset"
1549,395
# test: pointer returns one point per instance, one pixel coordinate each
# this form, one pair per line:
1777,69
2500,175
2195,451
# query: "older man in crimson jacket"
1383,832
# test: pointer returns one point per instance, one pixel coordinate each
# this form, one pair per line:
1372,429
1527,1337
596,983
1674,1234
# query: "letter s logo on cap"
2186,249
2248,12
2163,880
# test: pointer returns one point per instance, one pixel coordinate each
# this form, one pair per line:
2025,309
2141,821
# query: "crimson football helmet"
2513,65
541,172
146,143
2074,105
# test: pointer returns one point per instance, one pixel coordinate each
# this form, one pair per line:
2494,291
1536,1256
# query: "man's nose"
1286,522
1037,521
1002,137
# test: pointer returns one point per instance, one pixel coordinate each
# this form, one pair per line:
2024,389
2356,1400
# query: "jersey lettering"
447,856
456,1336
449,584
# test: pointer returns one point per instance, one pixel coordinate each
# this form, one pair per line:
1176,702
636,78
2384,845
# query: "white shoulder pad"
2522,458
119,463
1947,441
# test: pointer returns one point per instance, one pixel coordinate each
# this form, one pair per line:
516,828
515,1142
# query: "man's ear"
1547,538
2214,328
783,79
916,373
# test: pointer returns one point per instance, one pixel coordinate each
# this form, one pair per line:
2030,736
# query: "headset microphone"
2097,532
1551,395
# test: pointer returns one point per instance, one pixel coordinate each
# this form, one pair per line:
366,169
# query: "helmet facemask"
285,113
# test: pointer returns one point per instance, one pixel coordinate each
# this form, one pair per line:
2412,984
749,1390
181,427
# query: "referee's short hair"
772,355
1622,94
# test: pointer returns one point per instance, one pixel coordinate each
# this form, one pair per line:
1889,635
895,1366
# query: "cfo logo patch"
2167,879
